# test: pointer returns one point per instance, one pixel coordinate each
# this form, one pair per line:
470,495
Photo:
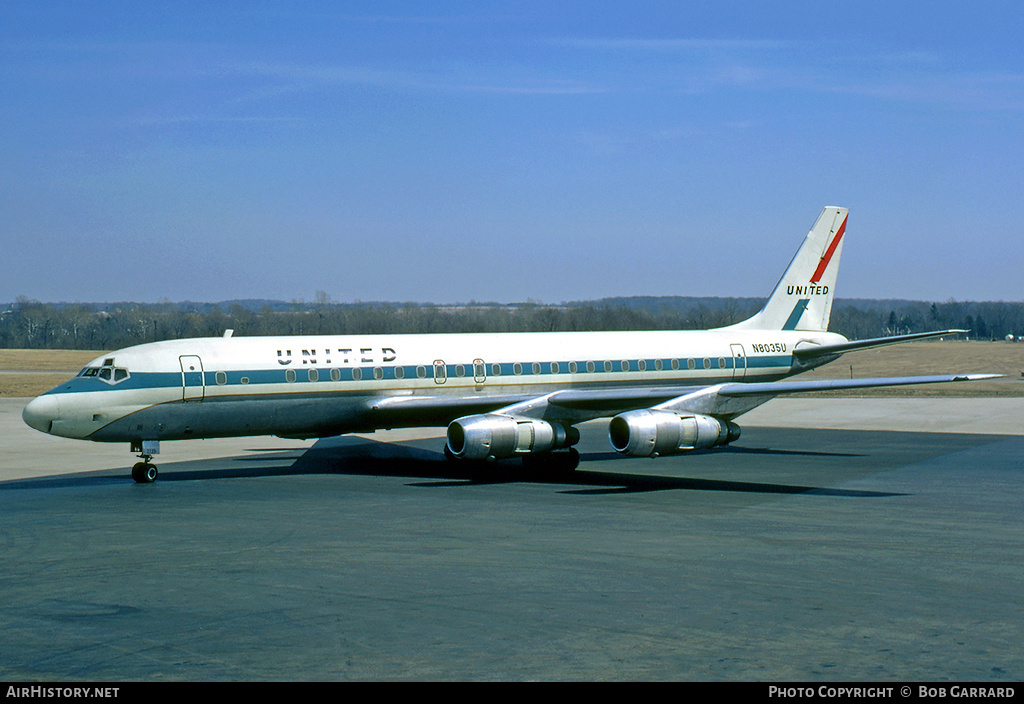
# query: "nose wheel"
144,472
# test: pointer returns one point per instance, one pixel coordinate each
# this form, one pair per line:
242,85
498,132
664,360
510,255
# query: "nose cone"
41,412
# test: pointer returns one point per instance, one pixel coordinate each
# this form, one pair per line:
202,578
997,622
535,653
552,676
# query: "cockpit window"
111,375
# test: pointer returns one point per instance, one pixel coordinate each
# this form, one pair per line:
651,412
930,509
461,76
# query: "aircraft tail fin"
802,300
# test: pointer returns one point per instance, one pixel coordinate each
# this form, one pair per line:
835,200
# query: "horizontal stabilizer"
810,351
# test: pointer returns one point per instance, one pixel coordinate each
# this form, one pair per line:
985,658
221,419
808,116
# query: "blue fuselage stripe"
507,372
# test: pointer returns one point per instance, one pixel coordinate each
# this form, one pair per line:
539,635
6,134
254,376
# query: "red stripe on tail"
823,264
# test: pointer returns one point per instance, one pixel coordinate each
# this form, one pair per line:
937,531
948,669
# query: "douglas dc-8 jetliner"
501,395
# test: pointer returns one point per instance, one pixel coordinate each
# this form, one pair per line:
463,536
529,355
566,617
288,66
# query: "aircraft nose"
41,412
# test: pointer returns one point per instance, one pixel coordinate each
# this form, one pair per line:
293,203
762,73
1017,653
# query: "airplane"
501,395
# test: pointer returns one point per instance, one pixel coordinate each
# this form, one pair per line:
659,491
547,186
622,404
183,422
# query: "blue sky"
506,151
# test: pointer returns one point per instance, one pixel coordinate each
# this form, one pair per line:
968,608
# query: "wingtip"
976,377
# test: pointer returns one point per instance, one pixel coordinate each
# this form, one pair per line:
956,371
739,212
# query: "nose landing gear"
144,472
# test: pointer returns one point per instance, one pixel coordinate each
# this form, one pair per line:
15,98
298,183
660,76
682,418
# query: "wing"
577,405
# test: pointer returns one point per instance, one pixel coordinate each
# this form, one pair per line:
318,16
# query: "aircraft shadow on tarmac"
362,457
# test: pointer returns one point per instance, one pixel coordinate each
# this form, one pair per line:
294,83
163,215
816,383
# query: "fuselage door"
193,383
739,362
479,371
440,371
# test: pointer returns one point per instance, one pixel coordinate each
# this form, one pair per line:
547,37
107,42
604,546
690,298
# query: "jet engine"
494,436
650,433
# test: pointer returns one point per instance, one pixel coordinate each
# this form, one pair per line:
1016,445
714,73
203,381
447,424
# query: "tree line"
35,325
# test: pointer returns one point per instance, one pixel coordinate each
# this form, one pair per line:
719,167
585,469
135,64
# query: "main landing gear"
144,472
557,462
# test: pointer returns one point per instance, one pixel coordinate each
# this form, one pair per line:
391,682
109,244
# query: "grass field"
31,372
923,358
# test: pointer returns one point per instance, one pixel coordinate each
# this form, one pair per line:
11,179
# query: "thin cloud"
459,79
662,45
705,65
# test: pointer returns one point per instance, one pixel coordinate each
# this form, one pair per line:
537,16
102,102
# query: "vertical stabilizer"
802,300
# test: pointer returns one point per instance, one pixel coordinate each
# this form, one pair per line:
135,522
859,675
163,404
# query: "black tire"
553,462
144,473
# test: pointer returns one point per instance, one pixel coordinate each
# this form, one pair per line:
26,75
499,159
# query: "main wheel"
570,461
555,462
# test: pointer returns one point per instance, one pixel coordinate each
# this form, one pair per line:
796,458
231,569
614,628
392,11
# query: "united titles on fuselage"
341,355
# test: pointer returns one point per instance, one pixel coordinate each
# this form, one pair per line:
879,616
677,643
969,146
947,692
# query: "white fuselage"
325,385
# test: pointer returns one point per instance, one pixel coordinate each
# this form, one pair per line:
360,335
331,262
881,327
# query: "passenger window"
421,372
289,376
357,373
314,375
221,378
572,367
378,373
495,370
721,362
536,367
335,375
607,366
399,372
707,363
517,368
591,367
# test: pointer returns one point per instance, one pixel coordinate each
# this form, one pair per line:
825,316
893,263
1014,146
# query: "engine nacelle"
495,436
650,433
